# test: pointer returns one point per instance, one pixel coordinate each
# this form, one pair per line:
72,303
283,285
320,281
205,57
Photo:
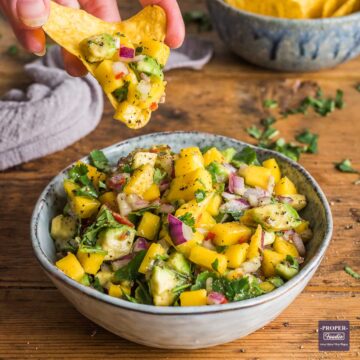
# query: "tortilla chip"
347,8
330,7
68,27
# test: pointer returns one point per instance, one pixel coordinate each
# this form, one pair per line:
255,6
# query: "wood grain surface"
35,319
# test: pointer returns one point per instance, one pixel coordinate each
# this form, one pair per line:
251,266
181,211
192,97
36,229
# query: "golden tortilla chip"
347,8
68,27
330,7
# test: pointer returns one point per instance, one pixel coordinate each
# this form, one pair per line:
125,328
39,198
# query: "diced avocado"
150,66
85,280
63,229
143,158
218,172
297,201
228,154
162,283
276,281
179,263
288,268
99,47
104,278
274,217
269,238
116,241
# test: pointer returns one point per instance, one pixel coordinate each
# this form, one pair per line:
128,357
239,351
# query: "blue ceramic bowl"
182,327
285,44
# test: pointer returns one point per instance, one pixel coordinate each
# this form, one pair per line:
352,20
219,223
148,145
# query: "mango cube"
155,49
256,176
106,77
140,181
152,193
214,205
84,207
149,226
193,298
70,188
285,247
115,291
185,248
71,267
212,155
255,243
153,251
109,199
269,262
285,187
190,159
90,262
273,166
236,255
230,233
208,258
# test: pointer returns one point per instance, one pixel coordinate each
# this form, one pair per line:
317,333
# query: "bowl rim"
286,21
51,269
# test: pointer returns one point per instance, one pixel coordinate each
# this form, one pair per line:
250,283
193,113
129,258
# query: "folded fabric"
57,110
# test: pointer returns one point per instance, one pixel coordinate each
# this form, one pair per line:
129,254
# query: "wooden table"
35,319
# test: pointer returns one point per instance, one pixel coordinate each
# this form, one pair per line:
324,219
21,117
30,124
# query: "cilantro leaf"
268,121
254,131
142,293
77,171
346,167
270,103
121,93
245,156
200,195
215,264
99,160
352,272
306,137
357,87
159,175
188,220
130,271
290,150
339,99
96,285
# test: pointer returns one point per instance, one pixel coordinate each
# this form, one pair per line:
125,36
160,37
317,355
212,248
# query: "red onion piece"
124,207
262,244
295,238
140,244
119,263
136,202
236,184
215,298
117,181
253,195
179,232
284,199
227,196
164,185
126,52
235,205
166,208
229,167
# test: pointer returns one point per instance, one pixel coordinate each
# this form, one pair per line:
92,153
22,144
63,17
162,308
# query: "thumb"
33,13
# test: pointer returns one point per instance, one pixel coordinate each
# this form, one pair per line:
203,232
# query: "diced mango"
153,251
256,176
193,298
149,226
84,207
269,262
208,258
185,248
156,92
236,254
152,193
90,262
104,74
140,181
94,174
185,186
255,243
285,187
115,291
302,227
214,205
213,154
132,115
71,266
164,234
206,221
156,49
273,166
230,233
70,188
285,247
109,199
266,286
190,159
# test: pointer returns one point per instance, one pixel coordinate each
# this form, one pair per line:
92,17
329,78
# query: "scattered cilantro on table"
352,272
99,160
346,167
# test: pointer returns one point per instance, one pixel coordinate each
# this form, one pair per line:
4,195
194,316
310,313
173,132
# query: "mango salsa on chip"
126,58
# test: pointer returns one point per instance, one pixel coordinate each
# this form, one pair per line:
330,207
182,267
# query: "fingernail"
41,53
32,12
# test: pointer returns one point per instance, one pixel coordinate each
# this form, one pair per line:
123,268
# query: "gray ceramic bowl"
182,327
287,45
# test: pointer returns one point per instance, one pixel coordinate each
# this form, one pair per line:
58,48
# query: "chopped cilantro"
120,94
188,220
126,169
339,102
306,137
99,160
290,150
357,87
270,104
96,285
159,175
245,156
254,131
139,50
215,264
352,272
268,121
129,272
346,166
200,195
12,50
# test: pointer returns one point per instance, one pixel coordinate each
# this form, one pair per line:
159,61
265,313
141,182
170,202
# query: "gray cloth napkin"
57,110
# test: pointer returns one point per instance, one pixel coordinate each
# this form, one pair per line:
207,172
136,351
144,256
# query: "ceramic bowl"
183,327
287,44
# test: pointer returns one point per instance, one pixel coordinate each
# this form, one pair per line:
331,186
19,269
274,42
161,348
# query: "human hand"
27,16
